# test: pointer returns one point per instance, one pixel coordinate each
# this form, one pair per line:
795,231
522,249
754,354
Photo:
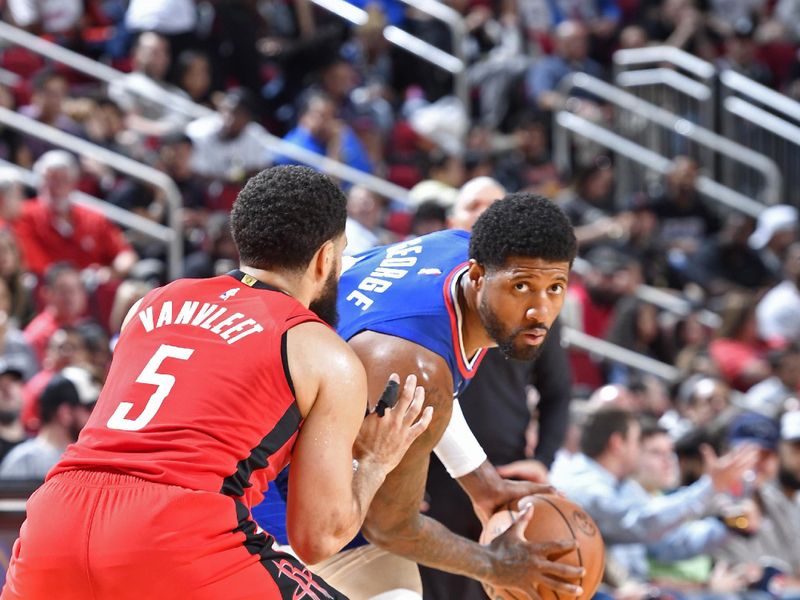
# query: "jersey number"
149,375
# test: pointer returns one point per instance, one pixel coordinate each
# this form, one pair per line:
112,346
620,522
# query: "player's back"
199,393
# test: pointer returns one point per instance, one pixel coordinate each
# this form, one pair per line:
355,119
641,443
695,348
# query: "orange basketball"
554,518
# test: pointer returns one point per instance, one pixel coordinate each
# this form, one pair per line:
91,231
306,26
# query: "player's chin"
526,350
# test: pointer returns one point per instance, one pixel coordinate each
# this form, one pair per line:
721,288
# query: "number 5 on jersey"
149,375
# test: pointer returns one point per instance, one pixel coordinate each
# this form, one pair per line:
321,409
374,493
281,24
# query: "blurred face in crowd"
572,41
709,398
151,56
473,199
789,464
58,183
196,78
339,80
10,398
363,207
658,467
633,36
10,203
319,115
629,449
647,323
177,160
65,348
66,297
788,371
234,119
452,172
683,176
50,98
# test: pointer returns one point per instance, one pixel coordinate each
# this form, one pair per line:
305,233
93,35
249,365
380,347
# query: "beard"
7,417
324,306
506,339
788,479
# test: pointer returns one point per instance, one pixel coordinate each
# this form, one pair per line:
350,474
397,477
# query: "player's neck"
473,333
284,282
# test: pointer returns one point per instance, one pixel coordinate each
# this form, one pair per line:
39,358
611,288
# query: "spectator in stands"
589,306
9,138
698,401
193,75
736,349
128,293
143,93
778,392
776,230
364,213
778,312
777,541
680,23
218,254
430,216
635,326
47,106
176,20
65,302
11,430
319,131
635,525
47,16
13,344
789,456
53,228
684,218
571,56
741,52
66,404
726,262
445,175
529,164
229,145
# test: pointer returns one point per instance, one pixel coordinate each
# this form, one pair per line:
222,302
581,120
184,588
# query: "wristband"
458,449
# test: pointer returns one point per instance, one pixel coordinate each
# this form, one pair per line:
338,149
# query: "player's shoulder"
374,348
317,345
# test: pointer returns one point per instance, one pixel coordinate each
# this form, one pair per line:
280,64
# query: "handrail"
761,93
458,28
116,161
767,120
578,339
661,54
176,101
643,156
119,215
667,77
742,154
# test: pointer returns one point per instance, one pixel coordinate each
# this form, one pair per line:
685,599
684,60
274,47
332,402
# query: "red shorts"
105,535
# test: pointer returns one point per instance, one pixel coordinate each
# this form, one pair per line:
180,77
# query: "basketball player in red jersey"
214,386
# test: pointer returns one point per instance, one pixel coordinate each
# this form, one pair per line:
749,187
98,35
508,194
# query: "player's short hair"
522,225
284,214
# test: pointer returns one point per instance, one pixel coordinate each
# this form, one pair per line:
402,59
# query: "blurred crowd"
629,440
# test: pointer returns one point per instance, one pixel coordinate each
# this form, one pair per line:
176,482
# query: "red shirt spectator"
65,304
52,229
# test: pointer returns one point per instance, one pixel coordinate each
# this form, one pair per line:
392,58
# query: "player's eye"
557,288
521,287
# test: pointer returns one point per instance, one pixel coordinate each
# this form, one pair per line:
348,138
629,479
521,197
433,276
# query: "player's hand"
526,470
504,492
391,427
527,566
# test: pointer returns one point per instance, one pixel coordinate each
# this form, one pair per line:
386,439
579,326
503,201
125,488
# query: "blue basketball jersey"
409,290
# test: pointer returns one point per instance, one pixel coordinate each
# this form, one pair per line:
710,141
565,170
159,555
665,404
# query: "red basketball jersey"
199,393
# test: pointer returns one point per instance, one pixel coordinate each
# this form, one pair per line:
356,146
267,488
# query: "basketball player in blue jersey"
430,307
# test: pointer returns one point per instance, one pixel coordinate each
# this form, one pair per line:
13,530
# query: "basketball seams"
572,531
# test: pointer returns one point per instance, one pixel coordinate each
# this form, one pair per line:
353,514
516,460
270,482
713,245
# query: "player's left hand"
525,470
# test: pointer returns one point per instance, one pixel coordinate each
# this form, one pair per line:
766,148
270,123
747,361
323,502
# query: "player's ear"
325,260
476,274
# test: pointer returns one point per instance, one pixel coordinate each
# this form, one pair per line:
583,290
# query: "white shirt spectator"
164,16
359,238
31,459
226,159
56,16
778,314
135,93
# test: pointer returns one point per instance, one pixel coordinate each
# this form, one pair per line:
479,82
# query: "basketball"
554,518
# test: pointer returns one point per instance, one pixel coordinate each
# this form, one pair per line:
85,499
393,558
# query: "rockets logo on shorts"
306,586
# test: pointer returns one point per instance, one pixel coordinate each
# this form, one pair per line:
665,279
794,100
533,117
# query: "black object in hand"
389,397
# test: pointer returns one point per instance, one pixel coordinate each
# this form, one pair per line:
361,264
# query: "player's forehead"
520,266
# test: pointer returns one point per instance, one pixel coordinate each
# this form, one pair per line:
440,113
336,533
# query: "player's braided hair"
522,225
284,214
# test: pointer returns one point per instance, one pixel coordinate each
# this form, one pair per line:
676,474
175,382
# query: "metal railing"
452,63
767,121
190,109
670,135
582,341
116,161
568,124
625,60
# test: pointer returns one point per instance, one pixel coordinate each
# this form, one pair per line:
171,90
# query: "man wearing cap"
12,432
776,543
775,231
66,404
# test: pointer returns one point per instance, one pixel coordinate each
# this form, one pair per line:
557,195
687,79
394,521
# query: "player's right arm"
328,498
